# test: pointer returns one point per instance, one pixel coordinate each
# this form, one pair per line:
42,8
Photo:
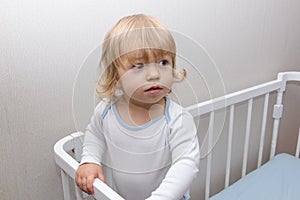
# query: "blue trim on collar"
103,114
133,128
167,110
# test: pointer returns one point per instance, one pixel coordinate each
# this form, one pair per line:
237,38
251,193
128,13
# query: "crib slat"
78,192
229,146
65,185
298,145
246,145
208,165
263,130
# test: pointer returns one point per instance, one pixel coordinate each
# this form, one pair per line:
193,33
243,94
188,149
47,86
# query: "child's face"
147,77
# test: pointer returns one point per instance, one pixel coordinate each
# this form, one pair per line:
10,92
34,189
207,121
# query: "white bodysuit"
155,161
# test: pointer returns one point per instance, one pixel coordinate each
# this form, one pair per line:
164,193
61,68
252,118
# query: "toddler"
139,142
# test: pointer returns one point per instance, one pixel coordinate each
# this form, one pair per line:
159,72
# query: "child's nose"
152,72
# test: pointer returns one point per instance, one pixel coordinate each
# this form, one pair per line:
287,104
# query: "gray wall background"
43,45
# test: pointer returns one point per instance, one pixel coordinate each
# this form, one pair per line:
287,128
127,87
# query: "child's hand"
85,175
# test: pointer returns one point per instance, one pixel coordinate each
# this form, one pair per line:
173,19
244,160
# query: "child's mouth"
153,90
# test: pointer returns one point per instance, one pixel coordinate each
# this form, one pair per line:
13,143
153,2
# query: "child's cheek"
166,77
130,82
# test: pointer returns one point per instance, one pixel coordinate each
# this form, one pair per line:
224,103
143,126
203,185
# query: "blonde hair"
136,32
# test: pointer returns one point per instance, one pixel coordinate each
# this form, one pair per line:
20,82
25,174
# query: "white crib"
68,149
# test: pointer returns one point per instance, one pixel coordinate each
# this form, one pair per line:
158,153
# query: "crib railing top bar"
69,165
233,98
288,76
105,191
62,158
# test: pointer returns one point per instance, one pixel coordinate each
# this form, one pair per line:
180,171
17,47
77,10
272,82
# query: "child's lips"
153,90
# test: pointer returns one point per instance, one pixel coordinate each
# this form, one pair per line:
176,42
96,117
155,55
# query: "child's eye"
163,62
138,66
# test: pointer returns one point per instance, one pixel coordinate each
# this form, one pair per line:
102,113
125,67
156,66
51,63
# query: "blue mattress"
278,179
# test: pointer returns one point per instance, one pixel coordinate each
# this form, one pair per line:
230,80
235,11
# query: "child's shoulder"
175,110
102,107
180,117
173,106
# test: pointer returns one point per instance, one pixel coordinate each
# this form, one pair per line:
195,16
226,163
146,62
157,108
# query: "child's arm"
85,175
184,147
93,147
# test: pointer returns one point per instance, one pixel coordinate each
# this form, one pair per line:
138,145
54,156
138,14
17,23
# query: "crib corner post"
277,114
65,185
77,149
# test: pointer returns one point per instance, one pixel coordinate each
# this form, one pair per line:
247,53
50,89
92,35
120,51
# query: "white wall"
44,43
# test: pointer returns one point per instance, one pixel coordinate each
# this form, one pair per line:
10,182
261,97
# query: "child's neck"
136,114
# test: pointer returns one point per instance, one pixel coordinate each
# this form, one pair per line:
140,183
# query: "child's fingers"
101,177
83,185
89,184
81,182
85,176
78,181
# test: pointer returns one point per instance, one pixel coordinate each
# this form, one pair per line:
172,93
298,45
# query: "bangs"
138,43
146,38
142,39
143,55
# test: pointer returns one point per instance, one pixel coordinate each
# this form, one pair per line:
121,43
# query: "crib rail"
68,164
246,95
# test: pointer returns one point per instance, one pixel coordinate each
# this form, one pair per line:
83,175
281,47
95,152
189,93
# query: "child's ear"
118,89
178,74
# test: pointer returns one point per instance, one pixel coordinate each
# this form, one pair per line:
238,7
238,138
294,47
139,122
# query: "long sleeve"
94,143
184,148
